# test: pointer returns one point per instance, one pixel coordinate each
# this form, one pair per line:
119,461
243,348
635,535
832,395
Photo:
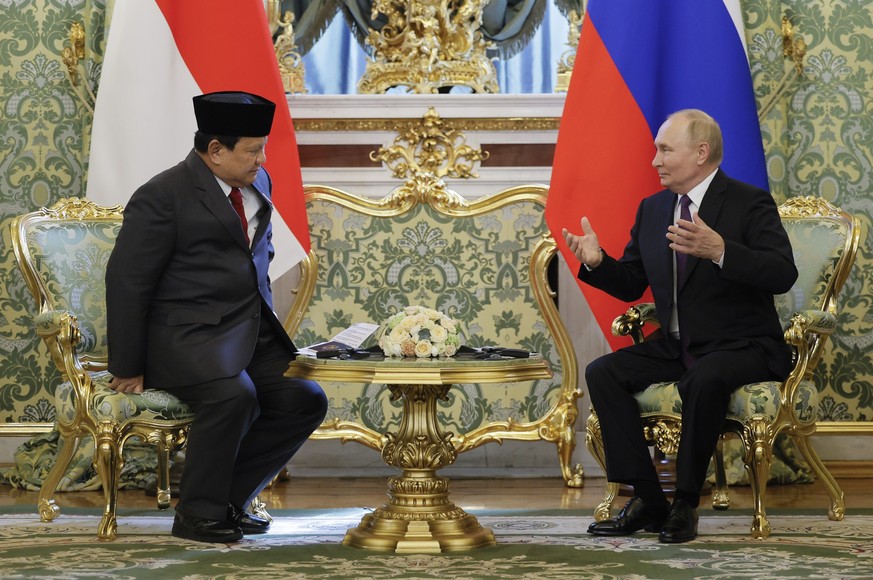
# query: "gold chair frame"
558,424
807,333
61,332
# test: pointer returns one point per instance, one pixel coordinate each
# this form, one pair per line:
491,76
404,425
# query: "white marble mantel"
529,122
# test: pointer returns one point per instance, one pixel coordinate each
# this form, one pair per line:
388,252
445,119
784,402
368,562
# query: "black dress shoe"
633,517
248,523
203,530
681,525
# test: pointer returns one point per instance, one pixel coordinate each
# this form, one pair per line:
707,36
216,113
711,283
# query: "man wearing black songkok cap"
190,311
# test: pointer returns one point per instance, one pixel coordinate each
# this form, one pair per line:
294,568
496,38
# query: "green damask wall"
818,138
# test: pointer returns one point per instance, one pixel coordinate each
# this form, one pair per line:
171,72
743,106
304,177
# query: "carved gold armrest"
60,330
806,329
632,322
809,321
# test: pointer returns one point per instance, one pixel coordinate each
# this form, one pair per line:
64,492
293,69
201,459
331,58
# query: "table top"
425,371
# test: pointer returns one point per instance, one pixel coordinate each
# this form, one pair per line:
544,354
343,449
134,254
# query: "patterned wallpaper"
818,138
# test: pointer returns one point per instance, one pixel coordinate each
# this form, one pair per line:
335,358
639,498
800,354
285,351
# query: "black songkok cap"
234,114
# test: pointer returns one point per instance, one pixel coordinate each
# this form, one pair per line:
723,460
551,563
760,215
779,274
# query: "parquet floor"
470,494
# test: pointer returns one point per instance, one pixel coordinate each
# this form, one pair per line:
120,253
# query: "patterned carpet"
543,545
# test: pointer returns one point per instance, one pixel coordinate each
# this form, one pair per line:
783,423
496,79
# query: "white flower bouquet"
421,332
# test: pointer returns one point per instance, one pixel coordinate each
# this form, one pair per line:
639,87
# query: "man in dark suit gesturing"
190,311
714,262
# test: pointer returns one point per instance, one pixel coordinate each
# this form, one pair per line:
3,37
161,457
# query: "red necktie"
237,203
681,261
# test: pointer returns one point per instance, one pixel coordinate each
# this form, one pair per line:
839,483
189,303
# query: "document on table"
350,338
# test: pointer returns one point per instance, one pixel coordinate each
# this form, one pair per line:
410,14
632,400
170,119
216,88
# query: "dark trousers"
245,431
705,390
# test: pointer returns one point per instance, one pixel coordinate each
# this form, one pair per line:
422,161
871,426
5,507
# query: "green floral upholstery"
108,405
759,399
824,240
62,252
484,264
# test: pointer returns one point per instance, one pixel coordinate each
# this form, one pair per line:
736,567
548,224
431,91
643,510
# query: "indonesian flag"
636,63
159,55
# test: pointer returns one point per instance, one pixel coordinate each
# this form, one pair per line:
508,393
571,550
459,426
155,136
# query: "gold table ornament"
419,517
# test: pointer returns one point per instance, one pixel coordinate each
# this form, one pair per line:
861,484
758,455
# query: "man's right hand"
130,385
586,247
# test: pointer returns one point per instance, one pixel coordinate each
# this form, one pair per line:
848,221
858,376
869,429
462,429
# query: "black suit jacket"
719,308
185,294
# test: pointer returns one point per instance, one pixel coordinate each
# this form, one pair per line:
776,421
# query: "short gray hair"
702,128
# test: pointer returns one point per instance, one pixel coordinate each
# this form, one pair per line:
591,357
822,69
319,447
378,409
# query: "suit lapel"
709,211
212,196
264,215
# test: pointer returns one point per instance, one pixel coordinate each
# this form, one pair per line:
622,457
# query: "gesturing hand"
695,238
586,247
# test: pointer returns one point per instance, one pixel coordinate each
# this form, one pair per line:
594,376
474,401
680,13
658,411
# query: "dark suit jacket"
719,308
185,295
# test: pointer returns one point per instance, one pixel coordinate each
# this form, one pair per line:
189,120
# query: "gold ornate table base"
419,517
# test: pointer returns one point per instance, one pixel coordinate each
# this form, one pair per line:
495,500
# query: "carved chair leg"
757,459
837,509
107,461
48,509
594,442
720,498
574,476
162,492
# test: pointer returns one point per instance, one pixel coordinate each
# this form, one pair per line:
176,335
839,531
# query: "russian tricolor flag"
637,62
160,54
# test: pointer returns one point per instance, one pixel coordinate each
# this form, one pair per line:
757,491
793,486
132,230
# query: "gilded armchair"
482,262
62,252
825,241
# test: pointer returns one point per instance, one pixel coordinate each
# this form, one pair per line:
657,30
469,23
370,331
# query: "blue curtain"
336,62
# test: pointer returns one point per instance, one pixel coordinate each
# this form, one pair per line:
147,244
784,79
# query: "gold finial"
71,55
795,50
75,52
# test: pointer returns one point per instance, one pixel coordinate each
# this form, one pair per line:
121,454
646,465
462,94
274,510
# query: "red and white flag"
160,54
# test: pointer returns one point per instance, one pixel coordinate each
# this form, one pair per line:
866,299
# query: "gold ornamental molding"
431,147
428,45
400,126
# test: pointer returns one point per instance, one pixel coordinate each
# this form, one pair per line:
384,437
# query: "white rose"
424,349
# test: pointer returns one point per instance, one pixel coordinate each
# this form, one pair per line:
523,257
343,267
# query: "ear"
702,153
214,150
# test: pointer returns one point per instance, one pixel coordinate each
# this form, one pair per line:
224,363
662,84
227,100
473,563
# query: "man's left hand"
696,238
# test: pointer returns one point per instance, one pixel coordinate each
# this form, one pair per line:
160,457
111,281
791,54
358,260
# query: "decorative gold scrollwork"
431,146
80,208
424,188
427,45
808,206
